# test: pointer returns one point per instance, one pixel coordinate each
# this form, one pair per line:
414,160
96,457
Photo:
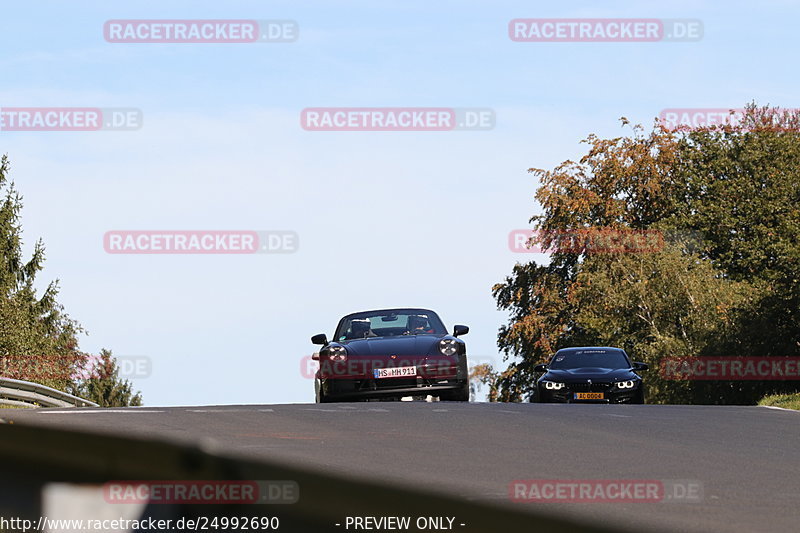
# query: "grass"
787,401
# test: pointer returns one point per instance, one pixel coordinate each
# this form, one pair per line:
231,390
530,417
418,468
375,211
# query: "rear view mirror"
320,339
540,368
640,366
460,330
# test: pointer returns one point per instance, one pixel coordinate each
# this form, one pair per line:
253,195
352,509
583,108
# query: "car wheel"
319,393
539,398
639,398
459,395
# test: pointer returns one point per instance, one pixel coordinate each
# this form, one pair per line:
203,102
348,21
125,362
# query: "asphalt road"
747,459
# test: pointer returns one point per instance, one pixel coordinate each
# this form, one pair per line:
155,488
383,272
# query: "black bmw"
595,374
389,354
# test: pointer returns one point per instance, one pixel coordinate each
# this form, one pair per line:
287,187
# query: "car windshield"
389,323
613,359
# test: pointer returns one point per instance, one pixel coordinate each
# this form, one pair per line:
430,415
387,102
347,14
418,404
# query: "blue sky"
385,219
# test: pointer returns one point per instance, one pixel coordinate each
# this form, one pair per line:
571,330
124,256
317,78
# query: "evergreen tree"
105,388
38,340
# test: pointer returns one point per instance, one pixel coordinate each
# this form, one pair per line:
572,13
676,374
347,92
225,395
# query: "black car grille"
589,387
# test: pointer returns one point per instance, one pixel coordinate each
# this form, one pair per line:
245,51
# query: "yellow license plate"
589,396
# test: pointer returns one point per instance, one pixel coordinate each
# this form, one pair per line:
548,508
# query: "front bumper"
610,393
350,389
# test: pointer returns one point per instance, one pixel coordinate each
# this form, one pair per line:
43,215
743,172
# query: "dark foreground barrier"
33,458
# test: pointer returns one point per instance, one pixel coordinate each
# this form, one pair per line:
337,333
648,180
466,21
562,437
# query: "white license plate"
397,372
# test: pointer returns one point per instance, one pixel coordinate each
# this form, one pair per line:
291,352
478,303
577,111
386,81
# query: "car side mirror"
540,368
640,366
320,339
460,330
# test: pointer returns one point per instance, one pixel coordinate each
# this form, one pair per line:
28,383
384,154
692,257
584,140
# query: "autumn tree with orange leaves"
723,282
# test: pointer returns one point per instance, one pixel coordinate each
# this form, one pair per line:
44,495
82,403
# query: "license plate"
589,396
396,372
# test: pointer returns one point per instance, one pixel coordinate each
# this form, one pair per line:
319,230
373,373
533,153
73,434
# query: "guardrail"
35,457
20,393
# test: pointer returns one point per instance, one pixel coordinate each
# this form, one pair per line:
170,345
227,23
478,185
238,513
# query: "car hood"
400,345
605,374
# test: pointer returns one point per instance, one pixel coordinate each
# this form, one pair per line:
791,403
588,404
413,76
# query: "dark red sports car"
391,353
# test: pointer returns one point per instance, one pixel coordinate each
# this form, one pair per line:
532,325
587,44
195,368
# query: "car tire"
639,398
461,394
539,398
319,394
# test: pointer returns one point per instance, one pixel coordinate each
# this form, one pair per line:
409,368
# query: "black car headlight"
626,384
448,346
553,385
337,353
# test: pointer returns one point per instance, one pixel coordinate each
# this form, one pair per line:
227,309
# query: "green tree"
731,289
105,388
38,340
656,305
743,194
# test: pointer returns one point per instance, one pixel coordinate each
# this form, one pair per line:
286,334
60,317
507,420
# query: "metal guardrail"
20,393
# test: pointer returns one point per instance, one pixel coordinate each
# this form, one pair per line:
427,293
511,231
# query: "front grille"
589,387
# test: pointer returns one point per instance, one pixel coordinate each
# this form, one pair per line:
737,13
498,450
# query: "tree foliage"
726,200
104,386
38,340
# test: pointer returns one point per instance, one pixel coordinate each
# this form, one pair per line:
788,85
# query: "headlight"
337,353
448,346
552,385
626,384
